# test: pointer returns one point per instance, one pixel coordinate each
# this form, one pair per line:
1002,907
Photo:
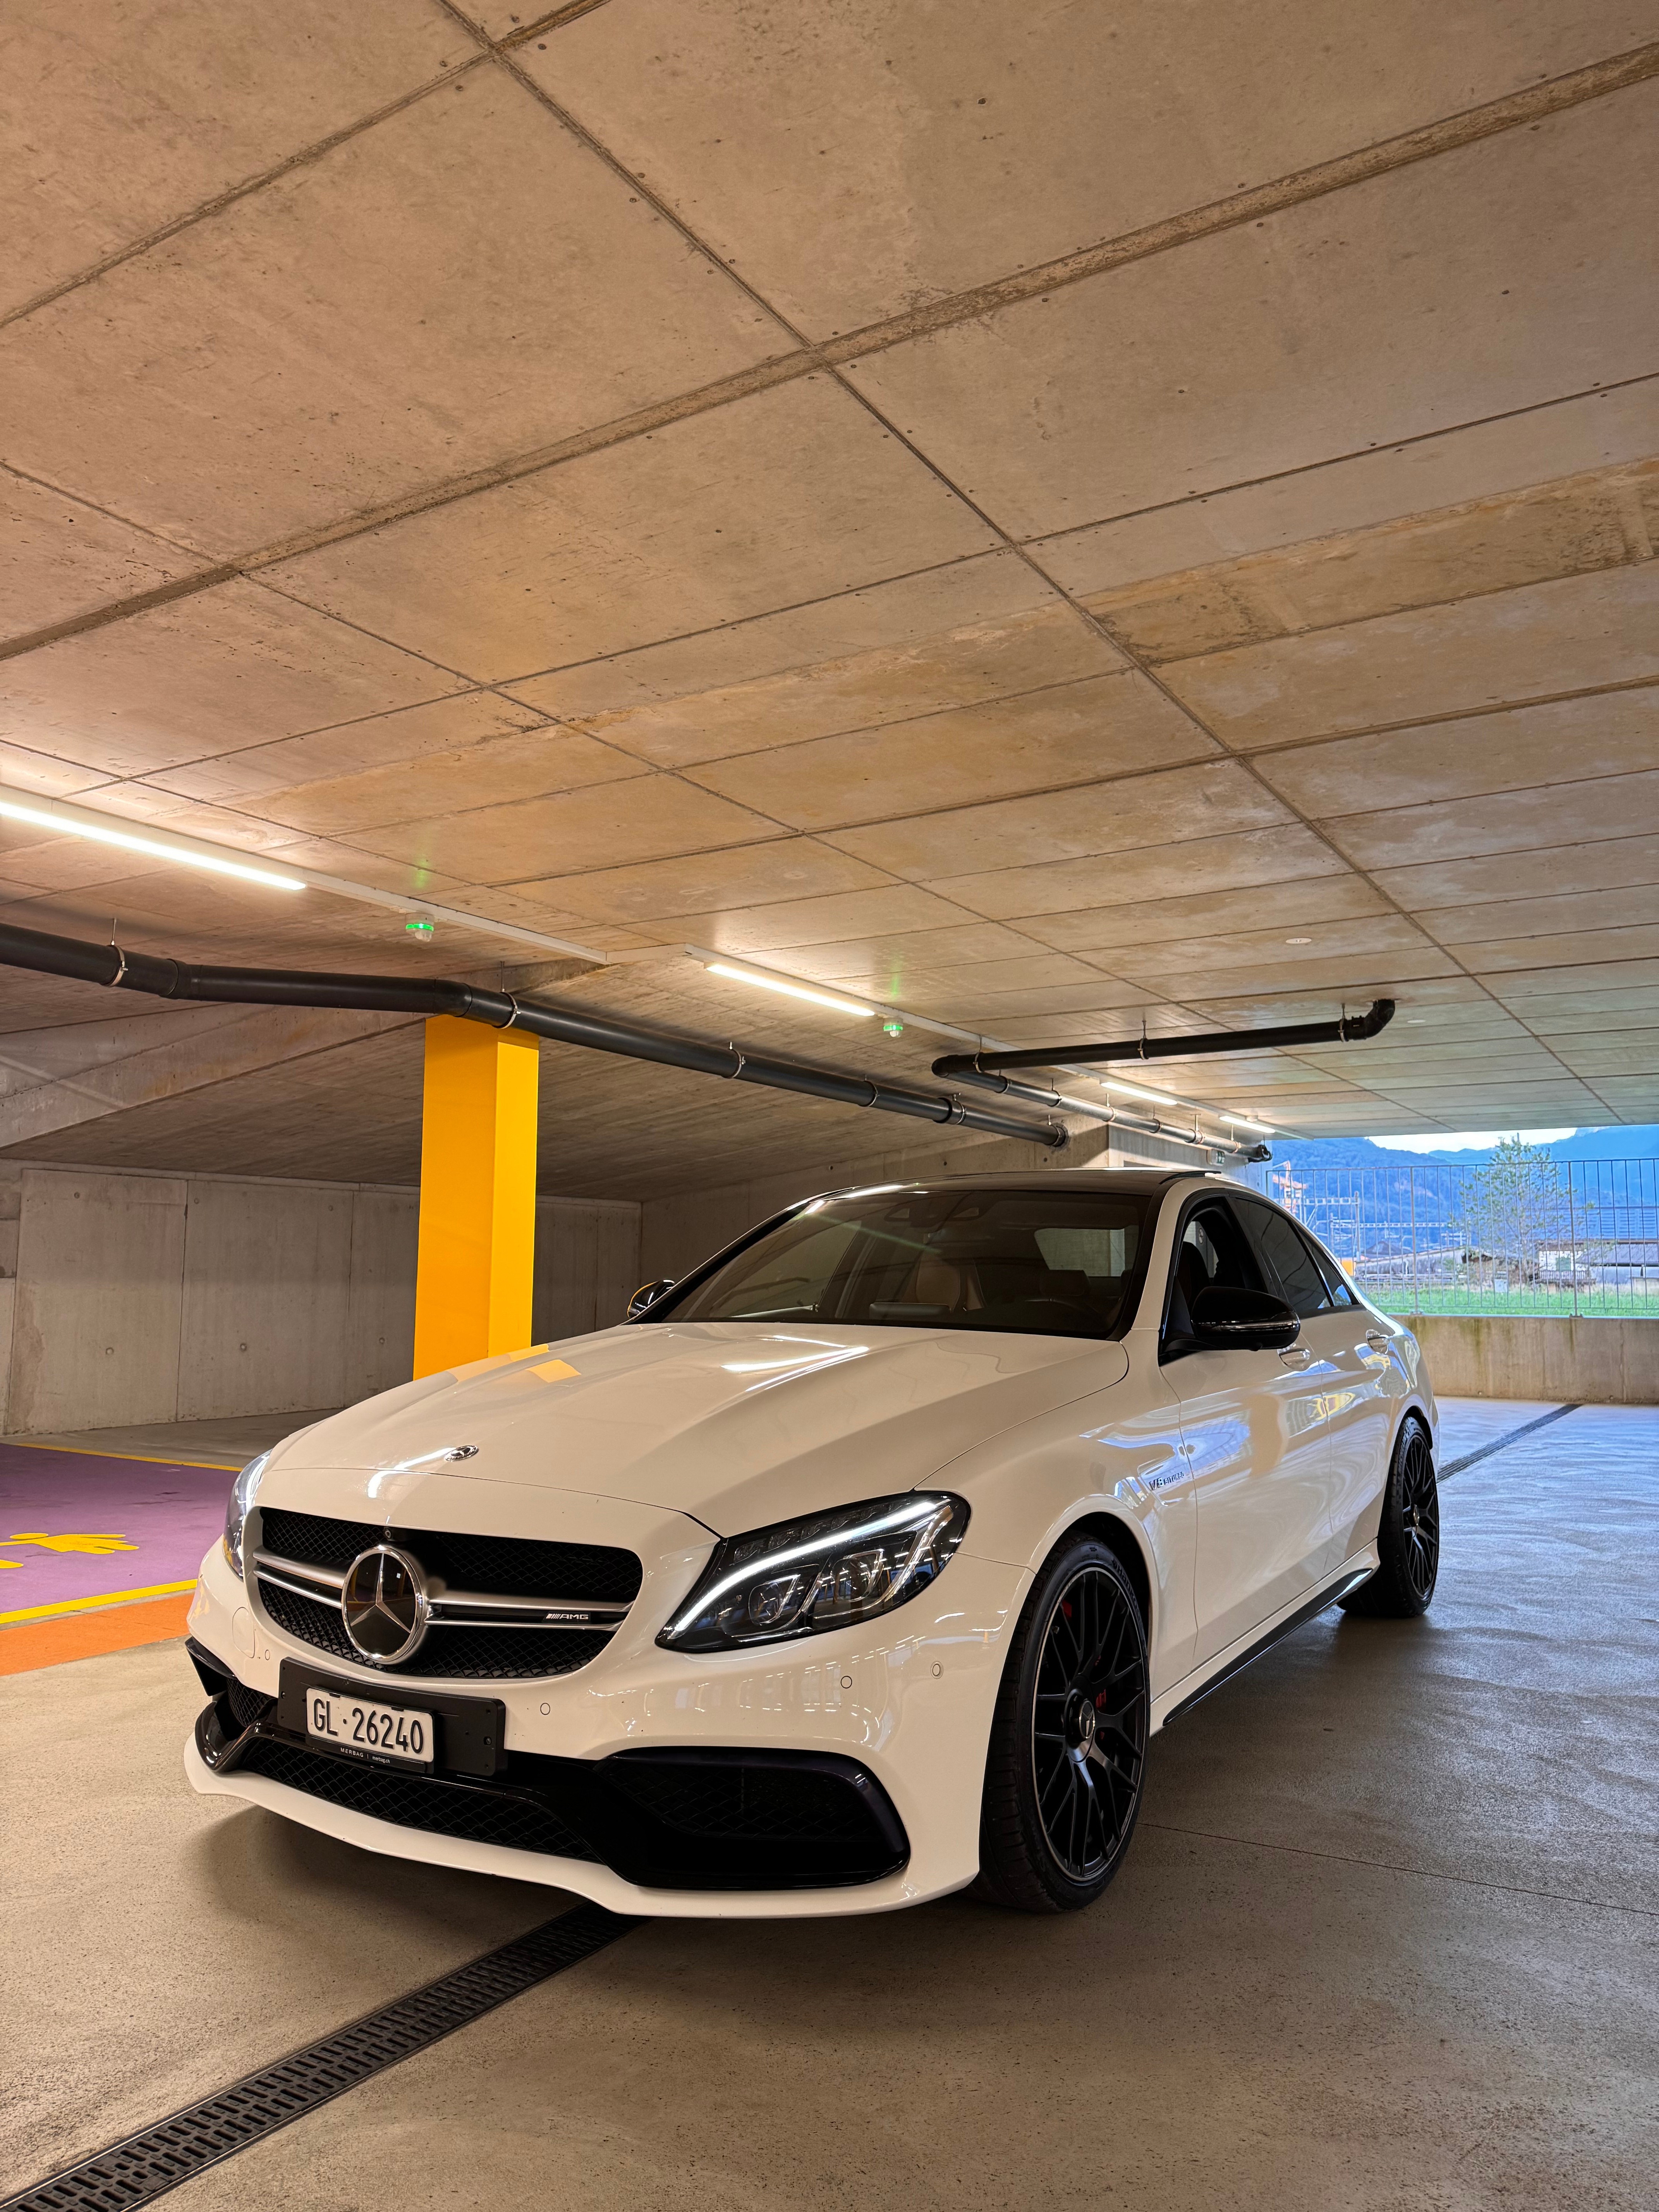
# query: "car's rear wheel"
1407,1536
1068,1741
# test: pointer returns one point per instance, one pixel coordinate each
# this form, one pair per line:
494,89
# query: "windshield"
1045,1264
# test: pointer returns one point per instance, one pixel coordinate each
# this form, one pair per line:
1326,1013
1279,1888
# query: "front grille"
765,1804
499,1651
412,1801
449,1654
507,1566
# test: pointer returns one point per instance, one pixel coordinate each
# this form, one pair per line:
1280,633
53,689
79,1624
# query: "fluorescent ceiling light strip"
716,963
765,983
65,819
45,816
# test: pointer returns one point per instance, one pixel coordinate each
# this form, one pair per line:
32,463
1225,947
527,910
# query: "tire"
1407,1536
1069,1739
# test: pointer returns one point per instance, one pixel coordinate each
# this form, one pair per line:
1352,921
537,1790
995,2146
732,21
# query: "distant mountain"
1637,1143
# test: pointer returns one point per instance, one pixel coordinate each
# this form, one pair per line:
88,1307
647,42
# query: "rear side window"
1287,1258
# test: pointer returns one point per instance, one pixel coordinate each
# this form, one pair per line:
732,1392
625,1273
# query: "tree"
1517,1201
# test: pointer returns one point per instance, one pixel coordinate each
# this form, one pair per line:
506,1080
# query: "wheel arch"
1122,1539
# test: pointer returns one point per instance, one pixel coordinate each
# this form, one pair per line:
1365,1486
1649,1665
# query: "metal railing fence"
1529,1237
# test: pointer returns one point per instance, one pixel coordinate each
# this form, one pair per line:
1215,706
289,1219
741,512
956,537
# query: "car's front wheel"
1407,1535
1068,1741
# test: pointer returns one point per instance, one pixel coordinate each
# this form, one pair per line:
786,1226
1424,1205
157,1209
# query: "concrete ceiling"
1058,517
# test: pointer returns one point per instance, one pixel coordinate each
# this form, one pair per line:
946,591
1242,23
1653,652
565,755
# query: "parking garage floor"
1386,1939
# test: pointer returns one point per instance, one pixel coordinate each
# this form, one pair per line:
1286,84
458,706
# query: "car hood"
735,1424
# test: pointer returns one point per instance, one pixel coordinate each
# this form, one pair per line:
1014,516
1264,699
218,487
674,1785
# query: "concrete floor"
1386,1940
230,1441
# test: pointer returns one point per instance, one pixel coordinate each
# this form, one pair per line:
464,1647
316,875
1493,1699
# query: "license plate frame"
470,1731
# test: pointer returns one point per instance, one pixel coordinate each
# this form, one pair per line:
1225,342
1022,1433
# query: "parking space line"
140,2167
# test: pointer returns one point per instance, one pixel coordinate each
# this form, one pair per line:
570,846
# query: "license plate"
372,1731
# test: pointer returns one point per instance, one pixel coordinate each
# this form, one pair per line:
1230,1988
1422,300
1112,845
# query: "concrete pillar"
476,1266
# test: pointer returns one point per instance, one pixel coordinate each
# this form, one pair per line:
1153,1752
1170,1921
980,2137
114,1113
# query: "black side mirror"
647,1294
1242,1321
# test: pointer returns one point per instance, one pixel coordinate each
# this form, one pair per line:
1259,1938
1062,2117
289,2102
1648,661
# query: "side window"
1211,1251
1337,1282
1286,1255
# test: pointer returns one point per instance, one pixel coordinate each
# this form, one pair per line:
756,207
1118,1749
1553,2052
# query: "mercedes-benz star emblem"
385,1605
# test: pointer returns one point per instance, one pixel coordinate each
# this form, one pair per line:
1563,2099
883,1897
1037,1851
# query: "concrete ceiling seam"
1513,111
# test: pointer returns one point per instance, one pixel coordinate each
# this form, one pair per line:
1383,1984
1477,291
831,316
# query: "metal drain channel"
143,2166
1470,1459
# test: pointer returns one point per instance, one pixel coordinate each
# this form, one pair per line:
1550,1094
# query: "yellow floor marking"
85,1604
144,1459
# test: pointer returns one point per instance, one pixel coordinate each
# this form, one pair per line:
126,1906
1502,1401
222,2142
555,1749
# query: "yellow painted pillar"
477,1249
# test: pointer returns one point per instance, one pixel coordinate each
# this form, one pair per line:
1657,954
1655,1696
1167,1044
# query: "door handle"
1296,1355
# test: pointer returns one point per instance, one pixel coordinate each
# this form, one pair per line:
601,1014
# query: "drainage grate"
145,2166
1498,1445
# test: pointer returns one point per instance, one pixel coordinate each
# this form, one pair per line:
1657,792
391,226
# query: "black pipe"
565,1023
1175,1048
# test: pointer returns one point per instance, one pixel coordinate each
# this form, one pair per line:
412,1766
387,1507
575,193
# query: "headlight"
830,1571
241,1497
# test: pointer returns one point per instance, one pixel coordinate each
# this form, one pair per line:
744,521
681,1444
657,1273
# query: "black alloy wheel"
1068,1741
1407,1536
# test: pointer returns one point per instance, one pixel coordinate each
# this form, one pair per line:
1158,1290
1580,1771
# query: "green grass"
1616,1302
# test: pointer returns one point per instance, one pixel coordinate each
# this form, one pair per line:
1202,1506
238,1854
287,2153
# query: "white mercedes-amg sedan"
856,1567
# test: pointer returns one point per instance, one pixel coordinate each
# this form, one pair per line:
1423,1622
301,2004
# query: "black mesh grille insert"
764,1804
448,1655
503,1567
411,1800
247,1705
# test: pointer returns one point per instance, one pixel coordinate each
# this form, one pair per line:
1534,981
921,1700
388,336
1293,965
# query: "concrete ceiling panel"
60,558
1566,528
1567,741
857,691
1513,822
412,734
789,495
908,952
123,119
1322,331
605,826
1544,917
464,283
1434,662
851,162
531,764
1360,491
833,918
1574,949
1316,902
1603,865
1066,733
978,598
1291,854
784,870
235,664
1173,806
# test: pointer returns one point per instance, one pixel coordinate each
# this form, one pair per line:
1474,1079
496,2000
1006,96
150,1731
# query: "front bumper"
833,1775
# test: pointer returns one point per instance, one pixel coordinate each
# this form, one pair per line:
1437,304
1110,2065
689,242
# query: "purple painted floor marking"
169,1514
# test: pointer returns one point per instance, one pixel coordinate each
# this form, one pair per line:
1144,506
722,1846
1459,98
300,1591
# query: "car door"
1351,1364
1254,1431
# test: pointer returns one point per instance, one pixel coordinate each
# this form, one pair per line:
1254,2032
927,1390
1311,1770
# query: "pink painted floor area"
166,1514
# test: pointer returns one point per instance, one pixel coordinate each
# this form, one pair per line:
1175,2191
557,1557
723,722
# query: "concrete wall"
127,1297
1592,1362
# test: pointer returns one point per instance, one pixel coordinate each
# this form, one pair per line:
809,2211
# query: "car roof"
1141,1180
